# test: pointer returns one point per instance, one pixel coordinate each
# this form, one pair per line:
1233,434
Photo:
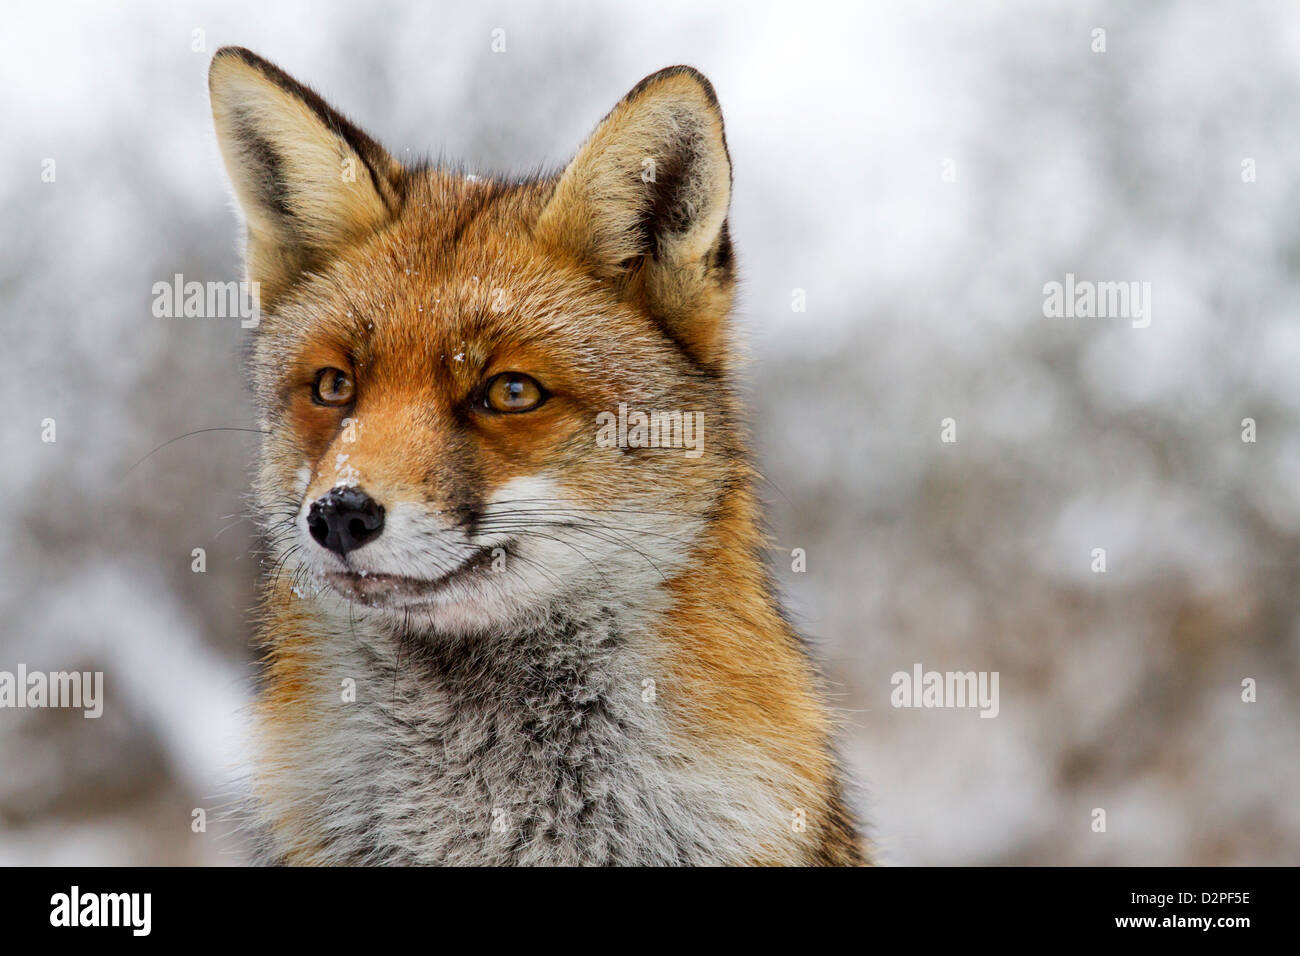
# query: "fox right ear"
644,203
309,182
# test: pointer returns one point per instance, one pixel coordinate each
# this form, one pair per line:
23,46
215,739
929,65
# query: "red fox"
517,610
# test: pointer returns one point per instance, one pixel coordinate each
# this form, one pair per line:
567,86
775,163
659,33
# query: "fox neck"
619,728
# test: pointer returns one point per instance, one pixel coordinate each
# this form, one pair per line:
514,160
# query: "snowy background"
1119,690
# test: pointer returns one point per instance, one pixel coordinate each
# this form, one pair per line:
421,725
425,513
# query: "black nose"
344,519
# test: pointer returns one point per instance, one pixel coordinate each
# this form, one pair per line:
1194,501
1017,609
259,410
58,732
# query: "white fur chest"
545,747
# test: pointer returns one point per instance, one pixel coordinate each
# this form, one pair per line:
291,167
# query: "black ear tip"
229,54
668,72
235,52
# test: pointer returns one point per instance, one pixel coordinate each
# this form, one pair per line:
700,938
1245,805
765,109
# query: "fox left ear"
644,204
309,182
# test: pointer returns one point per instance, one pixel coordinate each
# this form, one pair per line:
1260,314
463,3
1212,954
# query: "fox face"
482,397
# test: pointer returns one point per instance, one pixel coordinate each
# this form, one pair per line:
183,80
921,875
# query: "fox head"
463,379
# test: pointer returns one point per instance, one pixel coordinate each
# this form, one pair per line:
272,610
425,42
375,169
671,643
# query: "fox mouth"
402,590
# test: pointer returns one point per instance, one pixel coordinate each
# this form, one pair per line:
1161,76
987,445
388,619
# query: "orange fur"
604,287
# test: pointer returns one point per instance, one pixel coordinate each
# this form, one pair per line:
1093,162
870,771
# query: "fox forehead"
458,282
423,312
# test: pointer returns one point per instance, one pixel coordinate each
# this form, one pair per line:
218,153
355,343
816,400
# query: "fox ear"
644,203
309,182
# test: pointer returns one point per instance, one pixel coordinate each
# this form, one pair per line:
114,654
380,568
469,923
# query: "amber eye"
333,387
513,392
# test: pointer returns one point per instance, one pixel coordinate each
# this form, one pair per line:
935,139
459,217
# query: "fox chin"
499,628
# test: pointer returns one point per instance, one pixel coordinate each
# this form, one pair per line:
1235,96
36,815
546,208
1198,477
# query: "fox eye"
513,392
332,387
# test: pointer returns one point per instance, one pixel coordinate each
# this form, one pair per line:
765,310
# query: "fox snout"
343,519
